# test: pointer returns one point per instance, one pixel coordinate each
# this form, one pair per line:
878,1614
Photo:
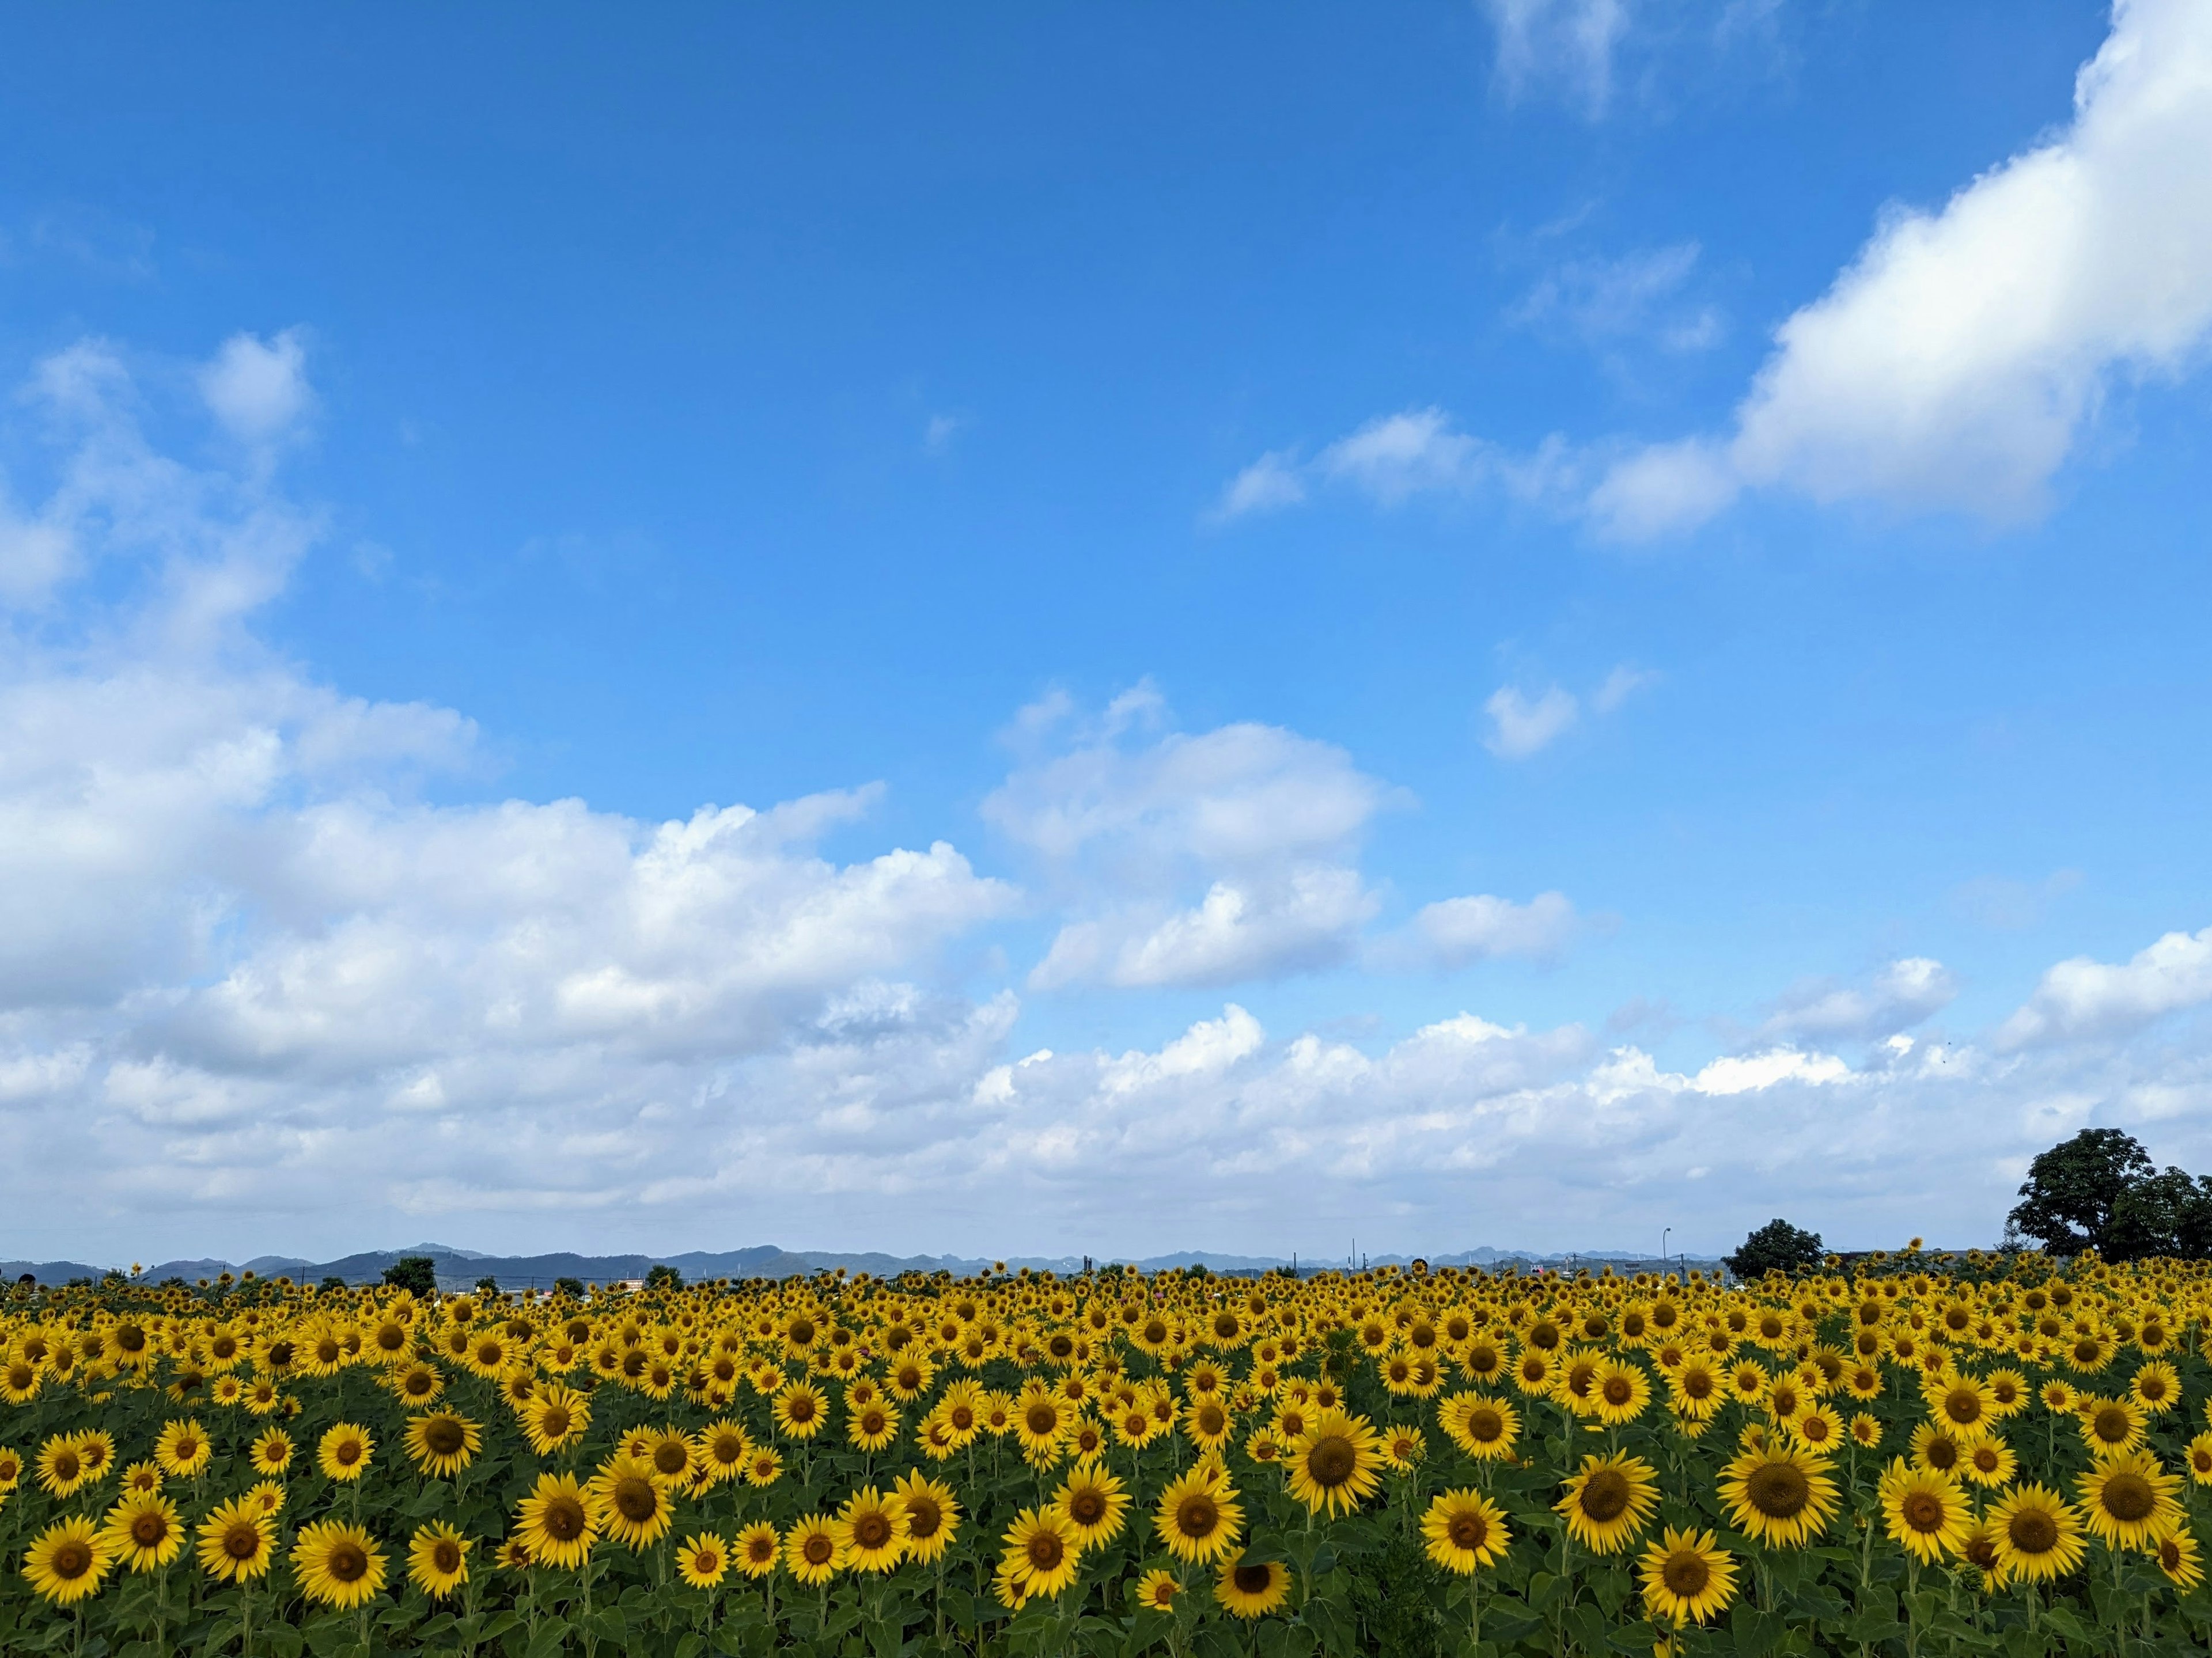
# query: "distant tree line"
2099,1191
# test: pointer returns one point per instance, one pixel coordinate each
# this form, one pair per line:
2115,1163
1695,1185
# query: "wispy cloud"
1524,723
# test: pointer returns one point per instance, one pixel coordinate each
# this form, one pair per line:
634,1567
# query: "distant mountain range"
459,1269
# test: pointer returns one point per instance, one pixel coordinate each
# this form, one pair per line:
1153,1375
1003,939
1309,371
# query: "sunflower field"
1920,1454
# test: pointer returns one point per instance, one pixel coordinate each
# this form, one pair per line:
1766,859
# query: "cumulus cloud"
1954,365
2081,997
256,991
1901,996
1456,931
1394,458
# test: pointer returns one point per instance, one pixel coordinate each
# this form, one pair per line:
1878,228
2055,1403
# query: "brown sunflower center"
1604,1494
444,1435
2129,1496
1087,1507
1045,1551
1468,1530
71,1560
1777,1489
635,1499
1687,1573
872,1530
2031,1531
1254,1580
1197,1516
672,1458
149,1527
1332,1460
348,1562
564,1520
2111,1424
1923,1511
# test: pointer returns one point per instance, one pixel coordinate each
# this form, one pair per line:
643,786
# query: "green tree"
2066,1201
2167,1214
416,1272
1777,1247
569,1286
662,1276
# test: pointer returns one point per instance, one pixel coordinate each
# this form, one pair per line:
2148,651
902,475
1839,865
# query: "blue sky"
1514,622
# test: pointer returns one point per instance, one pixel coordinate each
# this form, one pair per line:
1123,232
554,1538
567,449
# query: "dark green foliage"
569,1286
663,1277
2100,1190
1777,1247
416,1273
332,1281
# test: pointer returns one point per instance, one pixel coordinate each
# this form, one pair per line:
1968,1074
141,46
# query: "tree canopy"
1777,1247
2101,1191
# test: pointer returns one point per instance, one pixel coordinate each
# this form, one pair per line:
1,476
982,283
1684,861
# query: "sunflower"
1534,1372
759,1547
558,1521
2156,1386
417,1383
1818,1429
1937,1448
1199,1517
2178,1559
62,1470
67,1561
1043,1554
1607,1502
1335,1464
1687,1578
2128,1500
139,1479
873,1426
443,1442
764,1466
271,1452
438,1560
338,1564
1696,1387
2008,1393
719,1449
555,1418
1157,1591
634,1504
1253,1588
1865,1431
1094,1502
1404,1448
813,1552
237,1542
344,1451
1465,1530
2038,1533
1780,1495
95,1448
872,1529
142,1533
1962,1404
1925,1510
2110,1425
2200,1459
703,1560
182,1449
800,1409
1990,1461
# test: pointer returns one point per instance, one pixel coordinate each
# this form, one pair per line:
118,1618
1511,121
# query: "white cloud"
1605,300
1751,1073
258,388
1954,363
1266,821
1456,931
1572,40
1521,725
1903,994
1268,482
2082,997
1623,682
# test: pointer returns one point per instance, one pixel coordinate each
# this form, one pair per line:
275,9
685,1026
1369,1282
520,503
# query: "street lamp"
1665,1232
